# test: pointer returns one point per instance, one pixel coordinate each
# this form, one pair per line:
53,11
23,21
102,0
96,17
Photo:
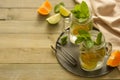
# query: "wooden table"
25,39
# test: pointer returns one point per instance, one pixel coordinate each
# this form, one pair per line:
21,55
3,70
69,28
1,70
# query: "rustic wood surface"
25,39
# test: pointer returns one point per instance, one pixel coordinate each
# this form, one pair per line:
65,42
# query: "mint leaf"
83,32
77,7
57,7
63,40
99,38
76,11
84,36
79,39
84,10
61,3
89,43
81,11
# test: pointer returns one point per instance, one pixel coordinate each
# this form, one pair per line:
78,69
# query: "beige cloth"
106,16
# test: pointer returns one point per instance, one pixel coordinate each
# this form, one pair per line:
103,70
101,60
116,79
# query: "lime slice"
64,12
54,19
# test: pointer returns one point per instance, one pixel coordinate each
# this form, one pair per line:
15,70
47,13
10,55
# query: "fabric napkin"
106,16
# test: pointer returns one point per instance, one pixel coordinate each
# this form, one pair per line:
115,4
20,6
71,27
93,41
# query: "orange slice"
114,59
45,8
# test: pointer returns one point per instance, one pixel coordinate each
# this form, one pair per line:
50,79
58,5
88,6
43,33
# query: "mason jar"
77,25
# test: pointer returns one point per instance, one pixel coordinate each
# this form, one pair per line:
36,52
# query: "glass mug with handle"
80,19
94,58
77,24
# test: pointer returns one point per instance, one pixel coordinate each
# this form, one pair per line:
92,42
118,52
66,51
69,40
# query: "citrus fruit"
114,59
45,8
57,7
64,12
54,19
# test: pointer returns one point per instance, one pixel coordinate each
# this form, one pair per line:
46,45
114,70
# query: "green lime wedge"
64,12
54,19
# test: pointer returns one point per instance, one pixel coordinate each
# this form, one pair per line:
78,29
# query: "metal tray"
76,69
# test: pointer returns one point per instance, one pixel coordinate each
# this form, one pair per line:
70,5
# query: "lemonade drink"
81,20
76,26
92,59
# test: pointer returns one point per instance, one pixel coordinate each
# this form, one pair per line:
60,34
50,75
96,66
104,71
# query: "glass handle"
108,48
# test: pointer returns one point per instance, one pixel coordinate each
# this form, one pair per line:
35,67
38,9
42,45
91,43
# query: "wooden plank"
43,72
27,55
27,40
3,14
23,14
31,3
27,48
19,3
29,27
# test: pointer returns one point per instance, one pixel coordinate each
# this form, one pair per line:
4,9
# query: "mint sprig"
99,39
85,37
81,11
63,40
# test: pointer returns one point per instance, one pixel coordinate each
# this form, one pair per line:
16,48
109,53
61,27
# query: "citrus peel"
114,59
45,8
